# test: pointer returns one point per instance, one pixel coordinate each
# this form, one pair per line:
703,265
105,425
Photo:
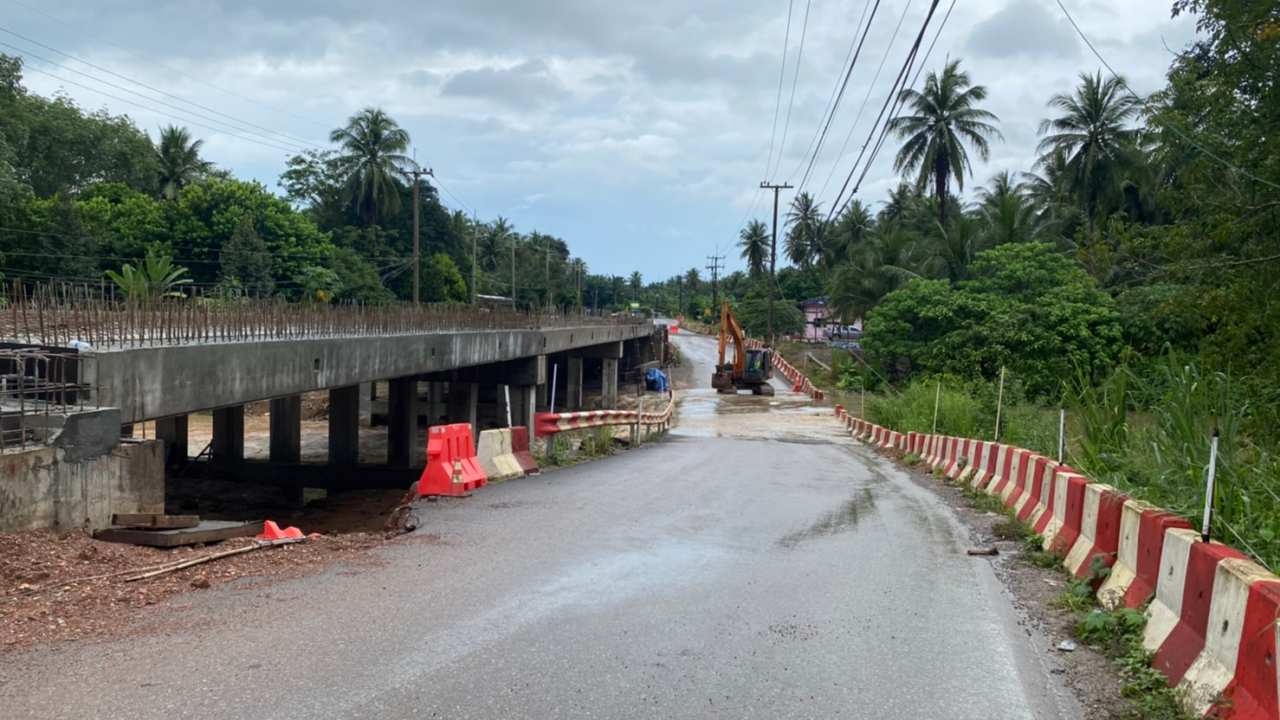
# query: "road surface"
755,564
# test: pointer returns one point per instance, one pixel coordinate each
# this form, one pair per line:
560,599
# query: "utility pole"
548,272
679,294
475,232
714,268
417,173
773,249
513,272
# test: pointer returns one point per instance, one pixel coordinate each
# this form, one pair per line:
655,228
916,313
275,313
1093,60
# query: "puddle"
842,519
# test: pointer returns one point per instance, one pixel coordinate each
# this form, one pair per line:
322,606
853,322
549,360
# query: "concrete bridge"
402,366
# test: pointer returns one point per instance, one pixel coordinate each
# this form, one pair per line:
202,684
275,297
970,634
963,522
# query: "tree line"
1147,226
86,196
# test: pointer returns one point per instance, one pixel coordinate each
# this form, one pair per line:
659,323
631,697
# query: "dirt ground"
1035,592
64,587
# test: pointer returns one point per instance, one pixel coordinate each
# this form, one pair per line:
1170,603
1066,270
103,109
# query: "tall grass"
1146,433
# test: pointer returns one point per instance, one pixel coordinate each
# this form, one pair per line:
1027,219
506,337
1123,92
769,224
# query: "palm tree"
636,281
804,220
373,161
493,243
845,235
944,117
178,156
890,257
1093,135
1006,212
754,241
156,276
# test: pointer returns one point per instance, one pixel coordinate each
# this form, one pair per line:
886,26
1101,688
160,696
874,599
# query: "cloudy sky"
638,132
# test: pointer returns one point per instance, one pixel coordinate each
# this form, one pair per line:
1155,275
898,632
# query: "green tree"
1007,215
442,281
243,261
804,230
1093,133
178,160
889,258
373,161
846,235
155,277
1026,307
754,242
945,116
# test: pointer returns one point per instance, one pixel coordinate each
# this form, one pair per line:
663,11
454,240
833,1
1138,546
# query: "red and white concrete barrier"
1132,581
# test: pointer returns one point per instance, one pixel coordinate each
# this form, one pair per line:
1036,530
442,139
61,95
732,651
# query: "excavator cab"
750,368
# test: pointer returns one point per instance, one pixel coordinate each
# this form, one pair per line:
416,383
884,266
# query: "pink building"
821,327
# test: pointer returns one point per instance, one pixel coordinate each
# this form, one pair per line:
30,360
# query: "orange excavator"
750,369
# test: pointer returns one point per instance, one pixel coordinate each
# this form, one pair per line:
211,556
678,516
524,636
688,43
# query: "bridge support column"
573,384
173,431
524,404
228,434
464,404
402,420
437,410
286,429
609,383
344,425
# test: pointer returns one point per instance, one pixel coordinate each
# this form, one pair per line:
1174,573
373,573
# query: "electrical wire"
777,105
835,87
1146,103
893,99
840,95
285,137
148,108
795,80
866,99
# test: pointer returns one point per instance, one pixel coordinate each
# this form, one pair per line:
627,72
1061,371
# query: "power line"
840,95
1186,138
285,137
853,43
795,80
777,104
893,99
177,71
866,99
148,108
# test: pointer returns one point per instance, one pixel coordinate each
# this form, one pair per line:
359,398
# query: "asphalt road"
752,565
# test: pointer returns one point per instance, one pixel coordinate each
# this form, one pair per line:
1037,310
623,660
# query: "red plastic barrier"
520,448
272,531
452,467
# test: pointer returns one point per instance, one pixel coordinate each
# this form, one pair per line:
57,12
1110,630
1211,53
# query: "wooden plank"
158,521
206,532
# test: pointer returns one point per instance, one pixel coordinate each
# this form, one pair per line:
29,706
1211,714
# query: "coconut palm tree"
493,243
1094,135
944,117
846,235
1006,213
373,161
890,257
178,157
804,222
636,281
754,241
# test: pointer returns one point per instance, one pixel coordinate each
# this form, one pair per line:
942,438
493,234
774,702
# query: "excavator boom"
748,369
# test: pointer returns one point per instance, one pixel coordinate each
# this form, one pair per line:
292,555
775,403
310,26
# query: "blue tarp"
655,379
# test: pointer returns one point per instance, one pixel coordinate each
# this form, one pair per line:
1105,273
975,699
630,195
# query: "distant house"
815,319
821,326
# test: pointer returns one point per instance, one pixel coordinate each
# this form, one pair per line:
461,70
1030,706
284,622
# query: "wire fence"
80,315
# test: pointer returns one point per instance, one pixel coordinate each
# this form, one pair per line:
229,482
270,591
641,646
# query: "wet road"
753,565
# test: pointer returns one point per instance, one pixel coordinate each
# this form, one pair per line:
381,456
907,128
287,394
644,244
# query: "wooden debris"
992,550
